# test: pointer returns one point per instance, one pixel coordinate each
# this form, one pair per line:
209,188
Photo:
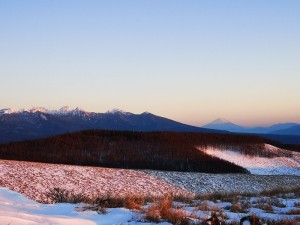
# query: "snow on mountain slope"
285,162
223,124
7,111
65,110
220,120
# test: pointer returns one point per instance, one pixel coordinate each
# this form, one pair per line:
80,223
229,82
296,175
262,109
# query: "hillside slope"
124,149
270,161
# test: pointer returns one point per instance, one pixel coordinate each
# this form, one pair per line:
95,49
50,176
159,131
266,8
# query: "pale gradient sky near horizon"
191,61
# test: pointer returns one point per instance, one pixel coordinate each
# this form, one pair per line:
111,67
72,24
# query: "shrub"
60,195
282,222
265,204
238,208
204,206
134,202
276,202
164,210
293,212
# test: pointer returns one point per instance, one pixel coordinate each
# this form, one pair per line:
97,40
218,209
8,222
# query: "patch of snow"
220,120
44,117
7,111
118,111
281,165
38,109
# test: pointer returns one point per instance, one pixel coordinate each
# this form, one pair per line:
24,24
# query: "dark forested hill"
143,150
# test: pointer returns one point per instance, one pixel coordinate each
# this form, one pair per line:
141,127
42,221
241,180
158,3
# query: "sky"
191,61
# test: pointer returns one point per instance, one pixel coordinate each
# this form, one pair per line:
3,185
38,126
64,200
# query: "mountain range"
281,128
35,123
17,125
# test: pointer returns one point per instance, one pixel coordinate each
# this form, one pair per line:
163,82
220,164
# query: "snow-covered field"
35,180
15,209
284,163
201,183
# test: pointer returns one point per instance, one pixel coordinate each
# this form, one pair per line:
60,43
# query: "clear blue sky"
191,61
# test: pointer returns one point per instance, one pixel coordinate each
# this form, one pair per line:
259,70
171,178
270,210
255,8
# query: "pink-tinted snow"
34,180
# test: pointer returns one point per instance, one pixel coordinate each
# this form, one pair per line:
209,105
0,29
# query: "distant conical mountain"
223,124
220,120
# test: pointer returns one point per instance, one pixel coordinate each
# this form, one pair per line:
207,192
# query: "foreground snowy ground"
35,180
15,209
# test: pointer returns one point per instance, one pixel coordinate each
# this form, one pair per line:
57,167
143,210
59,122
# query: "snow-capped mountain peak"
62,111
220,120
117,111
223,124
65,109
7,111
38,109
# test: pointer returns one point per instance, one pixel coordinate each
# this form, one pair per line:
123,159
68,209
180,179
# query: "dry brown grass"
282,192
236,207
134,202
297,204
59,195
164,209
293,212
225,197
282,222
264,203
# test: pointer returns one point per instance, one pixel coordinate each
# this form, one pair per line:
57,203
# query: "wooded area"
141,150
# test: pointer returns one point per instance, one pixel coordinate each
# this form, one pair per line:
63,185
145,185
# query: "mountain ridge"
279,128
39,122
295,130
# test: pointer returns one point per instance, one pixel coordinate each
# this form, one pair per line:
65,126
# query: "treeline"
291,147
140,150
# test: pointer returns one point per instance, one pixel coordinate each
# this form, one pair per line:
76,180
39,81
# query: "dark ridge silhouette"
34,125
291,147
294,130
141,150
280,138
